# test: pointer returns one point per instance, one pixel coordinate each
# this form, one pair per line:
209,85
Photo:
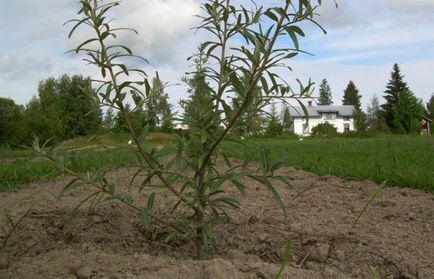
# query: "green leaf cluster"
190,170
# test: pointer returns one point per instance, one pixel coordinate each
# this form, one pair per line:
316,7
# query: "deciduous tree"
12,126
375,118
70,104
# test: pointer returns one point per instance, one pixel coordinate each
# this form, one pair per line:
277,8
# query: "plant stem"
256,74
151,163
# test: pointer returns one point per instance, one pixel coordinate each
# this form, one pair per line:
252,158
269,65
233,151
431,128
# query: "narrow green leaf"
240,186
375,194
270,187
285,260
269,13
144,215
151,201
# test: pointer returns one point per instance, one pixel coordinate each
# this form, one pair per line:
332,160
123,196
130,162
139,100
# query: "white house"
342,117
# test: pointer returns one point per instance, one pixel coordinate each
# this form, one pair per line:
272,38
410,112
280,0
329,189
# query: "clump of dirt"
394,237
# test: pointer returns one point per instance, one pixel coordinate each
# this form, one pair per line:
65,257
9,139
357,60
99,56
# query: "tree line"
401,113
68,107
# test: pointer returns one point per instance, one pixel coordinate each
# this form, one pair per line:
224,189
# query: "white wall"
339,122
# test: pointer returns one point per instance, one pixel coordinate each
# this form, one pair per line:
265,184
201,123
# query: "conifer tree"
408,112
352,97
394,89
274,127
286,120
325,94
402,110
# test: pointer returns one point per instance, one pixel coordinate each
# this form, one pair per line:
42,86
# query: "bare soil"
394,237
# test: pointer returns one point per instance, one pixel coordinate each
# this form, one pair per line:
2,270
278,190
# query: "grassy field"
400,160
23,166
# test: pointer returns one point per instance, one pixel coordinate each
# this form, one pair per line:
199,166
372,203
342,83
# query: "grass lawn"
406,161
22,166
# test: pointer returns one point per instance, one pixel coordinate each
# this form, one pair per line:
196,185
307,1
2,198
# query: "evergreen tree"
250,123
352,97
286,120
325,94
409,111
430,107
274,127
138,119
394,89
199,108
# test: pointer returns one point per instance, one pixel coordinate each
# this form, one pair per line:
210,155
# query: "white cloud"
378,32
378,37
342,16
164,26
405,6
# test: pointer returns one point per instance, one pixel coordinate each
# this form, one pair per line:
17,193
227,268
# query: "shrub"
189,170
324,130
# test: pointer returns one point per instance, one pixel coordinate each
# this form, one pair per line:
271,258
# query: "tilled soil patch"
394,236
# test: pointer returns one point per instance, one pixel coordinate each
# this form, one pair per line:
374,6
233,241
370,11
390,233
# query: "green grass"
404,161
29,170
14,153
22,166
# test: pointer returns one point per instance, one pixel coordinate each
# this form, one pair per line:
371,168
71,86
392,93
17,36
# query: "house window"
346,127
329,115
305,128
346,118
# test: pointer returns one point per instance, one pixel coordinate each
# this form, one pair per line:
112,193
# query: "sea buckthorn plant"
240,60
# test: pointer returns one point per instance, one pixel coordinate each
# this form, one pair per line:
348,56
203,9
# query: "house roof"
315,111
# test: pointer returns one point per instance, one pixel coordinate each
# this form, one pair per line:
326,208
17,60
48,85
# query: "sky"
363,41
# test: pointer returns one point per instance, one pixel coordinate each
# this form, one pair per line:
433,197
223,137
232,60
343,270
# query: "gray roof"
315,111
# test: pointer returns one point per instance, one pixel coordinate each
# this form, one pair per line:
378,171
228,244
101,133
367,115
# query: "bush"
193,163
324,130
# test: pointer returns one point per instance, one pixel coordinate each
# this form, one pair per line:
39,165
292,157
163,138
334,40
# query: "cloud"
405,6
378,37
164,26
364,39
342,16
19,67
